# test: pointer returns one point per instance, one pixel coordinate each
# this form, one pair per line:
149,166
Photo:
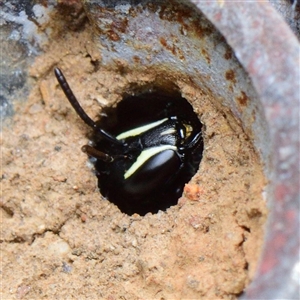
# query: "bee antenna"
79,110
90,151
72,99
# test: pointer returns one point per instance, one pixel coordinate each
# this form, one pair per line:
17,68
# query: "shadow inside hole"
134,112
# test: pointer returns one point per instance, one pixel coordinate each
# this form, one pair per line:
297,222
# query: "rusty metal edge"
269,52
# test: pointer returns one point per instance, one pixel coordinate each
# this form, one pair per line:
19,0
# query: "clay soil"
60,239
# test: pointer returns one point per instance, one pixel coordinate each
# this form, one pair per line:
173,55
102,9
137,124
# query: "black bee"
147,148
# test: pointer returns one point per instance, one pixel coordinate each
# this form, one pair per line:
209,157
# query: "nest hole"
151,187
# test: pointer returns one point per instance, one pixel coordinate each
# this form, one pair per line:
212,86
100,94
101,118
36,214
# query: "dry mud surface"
62,240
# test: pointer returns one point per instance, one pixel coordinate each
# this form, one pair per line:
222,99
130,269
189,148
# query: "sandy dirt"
60,239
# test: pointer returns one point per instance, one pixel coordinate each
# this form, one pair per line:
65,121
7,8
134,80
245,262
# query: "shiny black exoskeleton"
147,148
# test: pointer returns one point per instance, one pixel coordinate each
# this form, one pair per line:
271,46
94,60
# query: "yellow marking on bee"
139,130
144,156
188,130
168,131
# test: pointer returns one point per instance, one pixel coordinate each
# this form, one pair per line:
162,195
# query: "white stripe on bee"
168,131
139,130
145,155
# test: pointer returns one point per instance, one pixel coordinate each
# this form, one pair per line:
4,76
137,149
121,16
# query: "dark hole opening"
159,180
